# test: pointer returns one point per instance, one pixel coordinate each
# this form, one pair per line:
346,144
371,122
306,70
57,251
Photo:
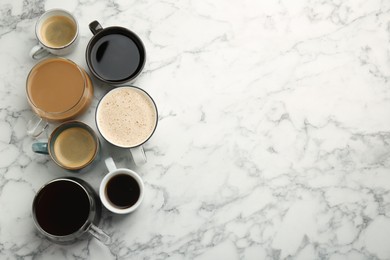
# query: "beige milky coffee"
58,31
58,89
74,147
126,117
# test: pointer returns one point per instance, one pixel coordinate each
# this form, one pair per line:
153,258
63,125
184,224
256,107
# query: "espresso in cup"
73,146
121,190
127,117
57,33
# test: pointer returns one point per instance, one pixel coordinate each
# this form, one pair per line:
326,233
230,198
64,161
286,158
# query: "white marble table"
273,135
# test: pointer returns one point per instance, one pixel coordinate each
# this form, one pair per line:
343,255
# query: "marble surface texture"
273,135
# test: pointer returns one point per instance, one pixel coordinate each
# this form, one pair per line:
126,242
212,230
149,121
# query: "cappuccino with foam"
126,117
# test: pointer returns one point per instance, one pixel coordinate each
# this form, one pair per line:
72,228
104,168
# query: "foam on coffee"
126,117
58,31
75,147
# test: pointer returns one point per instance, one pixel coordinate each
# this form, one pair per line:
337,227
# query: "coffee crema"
74,147
58,31
58,89
126,117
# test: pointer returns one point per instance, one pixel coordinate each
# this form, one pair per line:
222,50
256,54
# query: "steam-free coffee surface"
74,147
62,208
115,57
58,31
122,191
55,86
126,117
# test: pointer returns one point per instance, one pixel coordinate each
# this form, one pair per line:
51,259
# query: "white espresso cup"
57,33
121,190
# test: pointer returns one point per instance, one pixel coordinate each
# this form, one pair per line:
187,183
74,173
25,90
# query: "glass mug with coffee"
73,146
57,33
57,90
127,117
66,210
121,190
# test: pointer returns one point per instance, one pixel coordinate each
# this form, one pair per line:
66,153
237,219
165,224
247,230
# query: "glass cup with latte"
73,146
57,90
127,117
57,33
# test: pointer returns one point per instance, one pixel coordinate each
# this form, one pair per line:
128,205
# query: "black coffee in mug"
114,55
62,208
123,191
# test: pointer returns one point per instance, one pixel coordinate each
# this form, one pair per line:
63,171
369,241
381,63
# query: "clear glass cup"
57,90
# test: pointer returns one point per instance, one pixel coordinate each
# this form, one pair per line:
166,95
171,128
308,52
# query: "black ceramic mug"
115,55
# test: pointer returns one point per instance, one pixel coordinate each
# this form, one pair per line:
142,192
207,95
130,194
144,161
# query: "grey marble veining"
273,134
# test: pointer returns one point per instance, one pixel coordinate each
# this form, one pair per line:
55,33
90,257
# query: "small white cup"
114,171
43,48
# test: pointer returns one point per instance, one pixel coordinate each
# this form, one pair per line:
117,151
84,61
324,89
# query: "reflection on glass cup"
57,90
57,33
73,146
127,117
66,210
121,190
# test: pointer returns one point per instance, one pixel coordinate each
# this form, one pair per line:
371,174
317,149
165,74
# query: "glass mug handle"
138,154
36,125
99,234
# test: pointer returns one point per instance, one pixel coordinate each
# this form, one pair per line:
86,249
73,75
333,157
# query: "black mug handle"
95,27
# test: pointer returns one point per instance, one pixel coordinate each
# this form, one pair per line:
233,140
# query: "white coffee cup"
121,190
127,117
57,32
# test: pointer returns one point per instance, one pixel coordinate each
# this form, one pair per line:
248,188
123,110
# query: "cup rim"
103,197
116,89
39,22
63,127
85,225
42,63
133,36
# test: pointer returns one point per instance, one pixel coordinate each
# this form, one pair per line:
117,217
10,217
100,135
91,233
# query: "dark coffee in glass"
123,191
68,209
62,208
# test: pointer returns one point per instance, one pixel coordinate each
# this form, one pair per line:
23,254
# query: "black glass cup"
66,210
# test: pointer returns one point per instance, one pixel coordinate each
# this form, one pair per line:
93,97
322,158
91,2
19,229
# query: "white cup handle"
38,52
138,154
110,164
36,125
